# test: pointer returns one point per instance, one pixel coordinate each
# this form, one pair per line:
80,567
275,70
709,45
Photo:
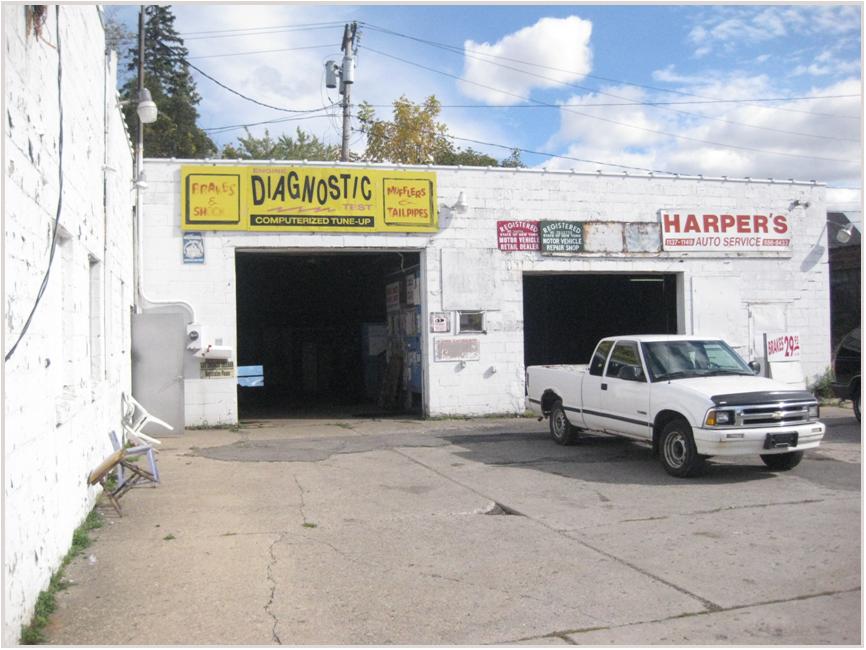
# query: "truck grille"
768,415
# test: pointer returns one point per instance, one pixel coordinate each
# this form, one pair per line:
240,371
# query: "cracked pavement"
347,532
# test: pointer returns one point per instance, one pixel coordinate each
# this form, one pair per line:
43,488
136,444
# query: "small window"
597,364
471,321
251,376
625,362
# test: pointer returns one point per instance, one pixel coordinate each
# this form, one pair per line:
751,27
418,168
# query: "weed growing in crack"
310,524
168,538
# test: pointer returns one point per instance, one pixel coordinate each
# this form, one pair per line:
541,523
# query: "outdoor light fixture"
146,110
460,205
843,236
141,182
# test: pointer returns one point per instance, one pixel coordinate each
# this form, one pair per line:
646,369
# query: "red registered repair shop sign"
517,236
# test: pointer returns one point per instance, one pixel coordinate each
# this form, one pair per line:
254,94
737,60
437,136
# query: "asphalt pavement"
398,531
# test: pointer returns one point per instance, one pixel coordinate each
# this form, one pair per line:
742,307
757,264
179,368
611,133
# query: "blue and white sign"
193,248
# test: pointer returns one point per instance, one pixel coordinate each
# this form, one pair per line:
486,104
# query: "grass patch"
309,524
46,602
168,538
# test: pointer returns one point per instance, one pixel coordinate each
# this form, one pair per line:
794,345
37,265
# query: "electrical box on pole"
332,71
346,74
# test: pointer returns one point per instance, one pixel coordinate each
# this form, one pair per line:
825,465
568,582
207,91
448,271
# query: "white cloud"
802,139
596,127
557,48
670,75
826,63
730,27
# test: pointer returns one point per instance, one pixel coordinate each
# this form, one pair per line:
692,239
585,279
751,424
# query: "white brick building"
622,279
62,384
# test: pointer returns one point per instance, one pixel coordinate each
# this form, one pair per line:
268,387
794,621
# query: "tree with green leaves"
414,136
468,157
513,160
304,146
167,77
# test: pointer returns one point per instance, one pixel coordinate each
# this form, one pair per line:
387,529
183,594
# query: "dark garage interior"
564,316
312,330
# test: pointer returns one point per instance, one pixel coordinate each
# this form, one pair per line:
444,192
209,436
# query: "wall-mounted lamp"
843,235
460,205
798,202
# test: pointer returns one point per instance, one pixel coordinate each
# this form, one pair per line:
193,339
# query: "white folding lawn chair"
134,417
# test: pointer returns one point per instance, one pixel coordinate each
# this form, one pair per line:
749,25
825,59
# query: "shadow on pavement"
595,458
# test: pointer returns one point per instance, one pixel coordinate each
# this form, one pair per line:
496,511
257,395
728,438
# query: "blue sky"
533,72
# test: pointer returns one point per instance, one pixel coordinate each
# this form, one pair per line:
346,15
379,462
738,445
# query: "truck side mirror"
755,366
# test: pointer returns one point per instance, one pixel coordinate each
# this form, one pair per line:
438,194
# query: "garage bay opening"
565,315
328,334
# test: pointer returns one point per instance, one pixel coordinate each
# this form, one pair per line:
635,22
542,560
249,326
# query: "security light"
843,236
147,111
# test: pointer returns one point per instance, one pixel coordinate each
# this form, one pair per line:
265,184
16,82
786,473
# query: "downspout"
141,298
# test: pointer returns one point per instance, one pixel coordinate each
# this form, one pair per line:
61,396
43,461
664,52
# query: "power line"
647,103
285,49
552,155
44,284
666,108
233,127
563,157
177,52
459,50
280,30
607,120
264,27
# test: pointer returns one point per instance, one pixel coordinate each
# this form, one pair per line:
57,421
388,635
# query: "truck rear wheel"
678,452
560,428
782,462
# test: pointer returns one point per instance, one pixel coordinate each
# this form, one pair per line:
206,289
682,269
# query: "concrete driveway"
469,532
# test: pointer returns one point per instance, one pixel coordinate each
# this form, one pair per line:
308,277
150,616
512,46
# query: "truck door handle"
604,386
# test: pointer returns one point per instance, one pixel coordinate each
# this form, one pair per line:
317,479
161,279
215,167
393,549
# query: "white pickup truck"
691,397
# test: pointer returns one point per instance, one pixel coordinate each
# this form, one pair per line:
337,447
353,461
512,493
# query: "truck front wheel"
678,452
560,428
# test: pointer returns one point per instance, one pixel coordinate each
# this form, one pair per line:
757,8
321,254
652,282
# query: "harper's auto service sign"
697,230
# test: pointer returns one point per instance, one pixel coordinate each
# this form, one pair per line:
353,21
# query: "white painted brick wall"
799,279
53,436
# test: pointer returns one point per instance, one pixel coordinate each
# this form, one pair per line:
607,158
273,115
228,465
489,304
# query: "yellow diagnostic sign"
324,199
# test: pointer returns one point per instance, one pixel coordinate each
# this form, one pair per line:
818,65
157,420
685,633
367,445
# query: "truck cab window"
596,366
625,362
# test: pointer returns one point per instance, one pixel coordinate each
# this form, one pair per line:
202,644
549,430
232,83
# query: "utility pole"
347,79
346,73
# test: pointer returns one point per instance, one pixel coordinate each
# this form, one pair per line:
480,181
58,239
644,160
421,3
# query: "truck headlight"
814,412
719,418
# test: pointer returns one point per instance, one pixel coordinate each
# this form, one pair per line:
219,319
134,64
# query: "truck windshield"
681,359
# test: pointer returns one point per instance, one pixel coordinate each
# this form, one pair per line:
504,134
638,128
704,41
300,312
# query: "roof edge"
509,170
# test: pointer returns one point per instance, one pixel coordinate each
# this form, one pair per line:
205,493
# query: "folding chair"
100,475
134,417
145,450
